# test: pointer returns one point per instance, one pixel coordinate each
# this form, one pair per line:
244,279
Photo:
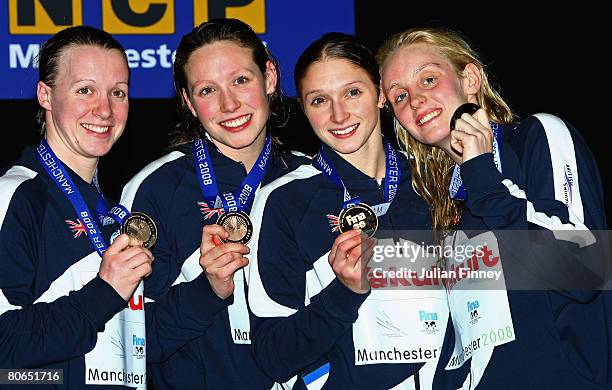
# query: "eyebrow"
315,91
94,81
415,72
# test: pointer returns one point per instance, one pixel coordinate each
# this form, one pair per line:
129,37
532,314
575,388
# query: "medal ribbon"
393,174
105,217
58,174
230,201
456,189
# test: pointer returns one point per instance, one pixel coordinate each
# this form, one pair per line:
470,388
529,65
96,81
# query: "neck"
370,158
247,155
85,167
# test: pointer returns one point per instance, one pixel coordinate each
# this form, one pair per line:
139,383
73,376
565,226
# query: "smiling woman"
227,83
59,286
86,105
318,324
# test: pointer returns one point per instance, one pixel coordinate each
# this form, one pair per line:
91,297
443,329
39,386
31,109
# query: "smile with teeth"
428,117
94,128
236,122
344,131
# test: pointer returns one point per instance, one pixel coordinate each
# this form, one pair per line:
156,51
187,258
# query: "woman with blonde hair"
478,167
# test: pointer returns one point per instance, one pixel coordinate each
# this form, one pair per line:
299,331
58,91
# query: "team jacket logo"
208,212
389,329
334,222
568,182
77,228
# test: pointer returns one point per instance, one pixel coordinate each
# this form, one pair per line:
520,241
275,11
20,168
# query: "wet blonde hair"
432,168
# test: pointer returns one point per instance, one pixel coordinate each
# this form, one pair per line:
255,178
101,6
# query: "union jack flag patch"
208,212
334,223
77,228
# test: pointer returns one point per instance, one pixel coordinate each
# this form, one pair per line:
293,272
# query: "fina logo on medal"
429,321
473,310
207,211
77,228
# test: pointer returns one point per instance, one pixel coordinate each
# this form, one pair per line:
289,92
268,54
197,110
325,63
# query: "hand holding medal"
220,259
349,257
470,132
141,228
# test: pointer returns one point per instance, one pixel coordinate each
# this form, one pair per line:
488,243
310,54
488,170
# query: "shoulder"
286,161
291,190
157,177
22,193
548,137
299,179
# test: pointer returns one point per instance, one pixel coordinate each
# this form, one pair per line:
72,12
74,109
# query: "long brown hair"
432,167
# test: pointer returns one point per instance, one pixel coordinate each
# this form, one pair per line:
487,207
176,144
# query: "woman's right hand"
349,257
124,264
220,261
472,135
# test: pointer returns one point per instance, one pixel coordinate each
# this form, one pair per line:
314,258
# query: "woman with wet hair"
481,168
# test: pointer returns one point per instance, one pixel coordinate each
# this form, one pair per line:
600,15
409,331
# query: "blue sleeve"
183,314
561,196
288,335
38,334
561,187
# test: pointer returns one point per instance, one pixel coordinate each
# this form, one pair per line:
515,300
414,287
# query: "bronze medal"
360,216
141,227
238,225
466,108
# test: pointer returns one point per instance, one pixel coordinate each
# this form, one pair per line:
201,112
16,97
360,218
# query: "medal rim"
363,206
148,220
249,224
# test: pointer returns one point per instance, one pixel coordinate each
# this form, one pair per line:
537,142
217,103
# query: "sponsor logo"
128,17
136,302
473,308
568,183
429,320
138,345
388,327
117,341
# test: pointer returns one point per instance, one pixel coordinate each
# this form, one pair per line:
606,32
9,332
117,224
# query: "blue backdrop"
151,29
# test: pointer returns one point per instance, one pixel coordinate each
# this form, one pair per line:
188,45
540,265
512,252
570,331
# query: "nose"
416,100
339,113
103,108
229,102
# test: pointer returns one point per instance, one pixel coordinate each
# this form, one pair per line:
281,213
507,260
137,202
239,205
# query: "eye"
84,91
431,80
241,80
119,93
317,101
206,91
401,97
353,92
